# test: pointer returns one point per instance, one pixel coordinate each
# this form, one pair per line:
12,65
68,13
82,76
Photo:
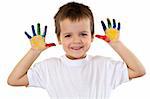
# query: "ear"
59,41
92,38
58,38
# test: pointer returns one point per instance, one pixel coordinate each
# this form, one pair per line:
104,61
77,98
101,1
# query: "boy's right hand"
38,40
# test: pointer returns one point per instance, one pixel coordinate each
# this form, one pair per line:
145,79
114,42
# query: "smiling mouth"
76,48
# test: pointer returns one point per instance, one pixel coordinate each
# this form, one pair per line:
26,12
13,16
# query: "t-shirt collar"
74,63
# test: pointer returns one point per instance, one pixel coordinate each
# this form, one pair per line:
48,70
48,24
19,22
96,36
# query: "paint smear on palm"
38,42
112,34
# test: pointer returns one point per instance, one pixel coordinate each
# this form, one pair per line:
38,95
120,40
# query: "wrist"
34,51
115,43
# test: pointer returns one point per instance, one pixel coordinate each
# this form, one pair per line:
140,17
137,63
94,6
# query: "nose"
77,39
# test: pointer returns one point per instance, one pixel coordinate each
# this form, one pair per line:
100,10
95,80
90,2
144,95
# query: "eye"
67,36
83,34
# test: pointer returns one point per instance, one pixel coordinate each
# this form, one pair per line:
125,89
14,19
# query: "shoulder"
49,62
98,58
105,61
52,60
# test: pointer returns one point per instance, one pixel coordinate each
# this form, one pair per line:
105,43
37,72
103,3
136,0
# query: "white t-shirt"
90,78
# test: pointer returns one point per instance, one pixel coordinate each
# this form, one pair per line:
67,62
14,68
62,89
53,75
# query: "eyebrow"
67,33
84,31
71,32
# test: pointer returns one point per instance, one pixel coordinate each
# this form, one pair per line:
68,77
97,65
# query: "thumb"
103,37
50,45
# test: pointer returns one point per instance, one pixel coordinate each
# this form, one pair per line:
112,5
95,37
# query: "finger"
119,25
114,23
45,31
100,36
105,38
38,29
33,30
103,25
109,23
50,44
27,35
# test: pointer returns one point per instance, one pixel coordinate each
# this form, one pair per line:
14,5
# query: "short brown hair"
73,11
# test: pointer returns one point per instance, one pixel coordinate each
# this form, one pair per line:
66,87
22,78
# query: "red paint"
50,44
105,38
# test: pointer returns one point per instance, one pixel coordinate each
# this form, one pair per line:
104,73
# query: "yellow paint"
37,42
112,33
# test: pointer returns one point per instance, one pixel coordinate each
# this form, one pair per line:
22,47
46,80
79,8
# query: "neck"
75,58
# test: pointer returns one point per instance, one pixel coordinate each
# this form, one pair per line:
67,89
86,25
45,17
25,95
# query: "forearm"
24,64
129,58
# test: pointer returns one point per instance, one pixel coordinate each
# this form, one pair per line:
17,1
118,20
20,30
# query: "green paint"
109,23
38,29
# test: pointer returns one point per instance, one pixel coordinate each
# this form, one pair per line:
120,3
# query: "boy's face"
75,37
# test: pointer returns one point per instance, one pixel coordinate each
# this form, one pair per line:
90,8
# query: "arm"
18,76
135,67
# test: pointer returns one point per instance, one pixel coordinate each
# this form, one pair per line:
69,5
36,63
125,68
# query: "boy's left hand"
111,33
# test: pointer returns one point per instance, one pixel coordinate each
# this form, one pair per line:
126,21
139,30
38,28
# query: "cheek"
88,41
65,43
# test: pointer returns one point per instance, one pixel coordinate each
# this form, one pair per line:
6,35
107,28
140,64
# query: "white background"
16,16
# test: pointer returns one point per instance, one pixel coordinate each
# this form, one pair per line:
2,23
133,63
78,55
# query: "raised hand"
111,33
38,40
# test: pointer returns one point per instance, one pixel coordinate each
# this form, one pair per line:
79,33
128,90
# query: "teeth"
76,48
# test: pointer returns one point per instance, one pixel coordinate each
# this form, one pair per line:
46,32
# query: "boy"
76,74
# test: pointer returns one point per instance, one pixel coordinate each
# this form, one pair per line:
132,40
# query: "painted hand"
111,33
38,40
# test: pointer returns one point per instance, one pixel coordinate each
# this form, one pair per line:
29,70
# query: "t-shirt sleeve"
36,75
119,74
